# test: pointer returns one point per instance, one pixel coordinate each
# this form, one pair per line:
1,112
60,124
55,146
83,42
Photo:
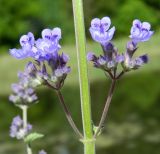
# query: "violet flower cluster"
49,67
45,52
17,129
100,32
23,91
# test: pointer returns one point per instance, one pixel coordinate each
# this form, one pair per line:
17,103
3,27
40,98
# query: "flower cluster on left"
49,68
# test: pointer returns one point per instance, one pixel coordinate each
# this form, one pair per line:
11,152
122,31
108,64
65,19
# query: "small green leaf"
33,136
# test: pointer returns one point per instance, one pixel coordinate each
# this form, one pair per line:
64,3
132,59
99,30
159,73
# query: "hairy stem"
89,141
105,111
24,110
68,114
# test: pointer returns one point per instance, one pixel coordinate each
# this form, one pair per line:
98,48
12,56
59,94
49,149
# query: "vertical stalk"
68,114
105,111
89,141
24,110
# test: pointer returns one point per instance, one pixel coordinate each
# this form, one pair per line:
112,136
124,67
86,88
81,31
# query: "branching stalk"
105,111
68,114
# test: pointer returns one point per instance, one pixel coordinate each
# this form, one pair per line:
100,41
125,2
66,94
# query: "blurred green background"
133,124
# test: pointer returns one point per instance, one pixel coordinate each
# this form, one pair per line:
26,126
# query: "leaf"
33,136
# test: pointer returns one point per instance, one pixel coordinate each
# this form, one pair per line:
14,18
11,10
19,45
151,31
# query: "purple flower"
52,35
42,49
42,152
109,60
90,56
23,92
130,62
140,32
27,47
17,129
100,31
59,69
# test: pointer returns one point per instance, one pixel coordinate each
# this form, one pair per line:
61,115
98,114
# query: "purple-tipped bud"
30,68
131,48
144,58
108,47
65,57
101,61
119,58
111,64
17,129
90,56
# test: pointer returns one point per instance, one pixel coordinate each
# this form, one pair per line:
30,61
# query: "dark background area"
19,17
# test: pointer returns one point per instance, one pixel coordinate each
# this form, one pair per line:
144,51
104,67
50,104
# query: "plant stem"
105,111
68,114
89,141
24,110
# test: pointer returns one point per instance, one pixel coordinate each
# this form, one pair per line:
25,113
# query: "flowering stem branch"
68,114
89,141
120,74
105,111
24,110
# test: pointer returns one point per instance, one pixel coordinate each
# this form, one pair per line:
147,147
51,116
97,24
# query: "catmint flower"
27,47
23,91
109,60
42,152
100,31
44,51
140,31
130,62
59,69
48,46
41,49
17,129
22,95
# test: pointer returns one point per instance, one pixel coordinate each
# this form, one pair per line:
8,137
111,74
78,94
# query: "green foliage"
134,9
19,17
153,3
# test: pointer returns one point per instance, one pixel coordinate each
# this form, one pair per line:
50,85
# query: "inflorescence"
17,129
49,67
46,55
111,58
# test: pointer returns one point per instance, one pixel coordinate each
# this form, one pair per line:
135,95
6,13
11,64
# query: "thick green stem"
89,143
24,110
89,147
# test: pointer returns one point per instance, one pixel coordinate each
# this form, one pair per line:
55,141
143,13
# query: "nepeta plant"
44,52
49,68
112,62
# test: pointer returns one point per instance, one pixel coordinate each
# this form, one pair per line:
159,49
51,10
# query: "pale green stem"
89,141
24,109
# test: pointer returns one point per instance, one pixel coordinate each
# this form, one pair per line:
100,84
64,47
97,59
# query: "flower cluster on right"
100,32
